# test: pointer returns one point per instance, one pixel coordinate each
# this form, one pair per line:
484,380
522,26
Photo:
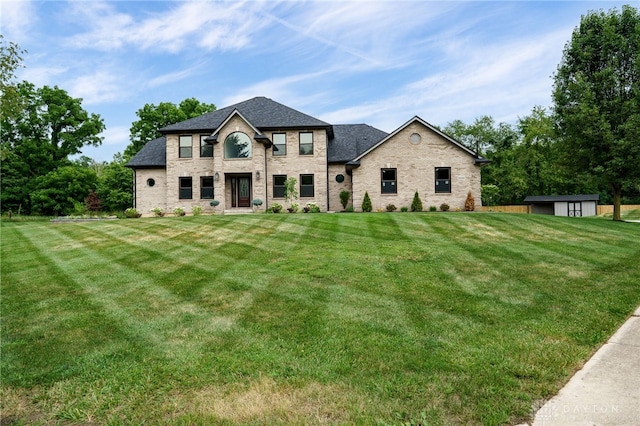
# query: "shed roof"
533,199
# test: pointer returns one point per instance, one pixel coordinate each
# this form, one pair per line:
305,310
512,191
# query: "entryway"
240,190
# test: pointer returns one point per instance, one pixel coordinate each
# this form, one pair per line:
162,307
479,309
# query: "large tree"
154,117
597,99
10,61
51,127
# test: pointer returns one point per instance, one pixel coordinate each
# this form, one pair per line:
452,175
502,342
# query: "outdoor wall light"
258,175
216,176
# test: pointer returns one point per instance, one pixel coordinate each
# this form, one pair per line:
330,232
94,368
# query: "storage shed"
564,205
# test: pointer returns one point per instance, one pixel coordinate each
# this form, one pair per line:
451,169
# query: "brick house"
246,151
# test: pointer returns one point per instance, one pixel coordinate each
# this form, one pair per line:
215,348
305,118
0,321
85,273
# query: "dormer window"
237,145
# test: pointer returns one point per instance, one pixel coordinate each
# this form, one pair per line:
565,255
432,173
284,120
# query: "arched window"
237,145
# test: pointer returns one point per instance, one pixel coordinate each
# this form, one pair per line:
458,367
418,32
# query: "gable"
440,136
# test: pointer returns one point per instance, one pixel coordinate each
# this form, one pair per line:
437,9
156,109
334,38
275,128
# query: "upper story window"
279,143
443,179
389,183
237,145
306,143
186,146
206,149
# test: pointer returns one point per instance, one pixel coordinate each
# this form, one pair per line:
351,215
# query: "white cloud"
210,25
116,135
99,87
17,18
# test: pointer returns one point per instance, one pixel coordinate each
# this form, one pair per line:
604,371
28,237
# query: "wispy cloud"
17,18
209,25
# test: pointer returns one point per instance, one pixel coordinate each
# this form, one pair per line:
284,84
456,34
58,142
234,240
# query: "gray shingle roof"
152,155
351,140
263,113
554,198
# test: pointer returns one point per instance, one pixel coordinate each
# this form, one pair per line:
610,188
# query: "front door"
241,191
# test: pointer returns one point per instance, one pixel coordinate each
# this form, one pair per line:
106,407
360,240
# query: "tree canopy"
597,99
154,117
51,127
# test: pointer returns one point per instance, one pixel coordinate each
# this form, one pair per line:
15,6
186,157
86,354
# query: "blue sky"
378,63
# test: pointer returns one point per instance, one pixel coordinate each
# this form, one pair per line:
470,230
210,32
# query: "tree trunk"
617,194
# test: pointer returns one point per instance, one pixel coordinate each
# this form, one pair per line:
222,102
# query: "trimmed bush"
470,203
366,203
344,198
404,209
391,208
433,209
444,207
276,207
416,204
131,213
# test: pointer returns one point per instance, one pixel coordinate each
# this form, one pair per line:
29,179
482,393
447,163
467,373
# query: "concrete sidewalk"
606,391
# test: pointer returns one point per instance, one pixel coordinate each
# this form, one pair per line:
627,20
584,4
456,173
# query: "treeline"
528,158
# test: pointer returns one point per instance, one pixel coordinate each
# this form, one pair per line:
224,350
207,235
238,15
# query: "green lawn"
373,318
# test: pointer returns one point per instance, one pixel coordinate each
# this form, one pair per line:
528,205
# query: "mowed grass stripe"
344,318
142,308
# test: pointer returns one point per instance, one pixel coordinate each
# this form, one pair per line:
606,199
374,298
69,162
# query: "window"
443,179
389,181
278,185
306,143
206,149
237,145
186,186
279,144
151,181
185,146
306,185
206,187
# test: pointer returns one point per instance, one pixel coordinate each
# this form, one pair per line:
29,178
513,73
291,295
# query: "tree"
597,99
115,185
366,203
10,61
59,191
290,191
154,117
416,203
50,127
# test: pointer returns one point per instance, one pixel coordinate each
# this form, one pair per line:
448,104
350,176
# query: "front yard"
307,319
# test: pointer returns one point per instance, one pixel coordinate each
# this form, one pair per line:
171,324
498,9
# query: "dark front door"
241,191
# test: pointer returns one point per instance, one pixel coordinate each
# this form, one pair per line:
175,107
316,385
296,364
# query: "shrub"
470,203
391,208
92,202
214,203
344,198
416,204
444,207
276,208
404,209
312,207
131,213
157,211
294,208
178,211
433,209
366,203
349,209
256,202
196,210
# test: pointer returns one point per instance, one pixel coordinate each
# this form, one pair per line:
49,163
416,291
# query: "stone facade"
390,167
415,161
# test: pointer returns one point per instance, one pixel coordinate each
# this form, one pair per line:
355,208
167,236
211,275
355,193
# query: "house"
564,205
246,151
